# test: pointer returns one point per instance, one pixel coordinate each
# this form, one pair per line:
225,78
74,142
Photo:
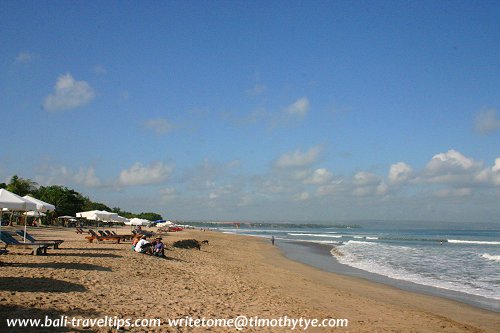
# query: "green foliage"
150,216
120,212
90,205
21,186
67,201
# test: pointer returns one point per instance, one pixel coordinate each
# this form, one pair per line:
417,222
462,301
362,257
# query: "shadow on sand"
90,249
83,255
24,284
59,265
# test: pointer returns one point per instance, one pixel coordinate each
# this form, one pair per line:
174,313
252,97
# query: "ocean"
456,261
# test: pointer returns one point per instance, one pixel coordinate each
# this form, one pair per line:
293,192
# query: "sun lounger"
114,234
79,230
93,236
38,247
4,250
55,242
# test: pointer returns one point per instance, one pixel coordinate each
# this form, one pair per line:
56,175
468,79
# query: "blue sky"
257,110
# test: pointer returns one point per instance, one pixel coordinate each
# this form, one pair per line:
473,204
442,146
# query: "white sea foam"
420,265
316,241
459,241
488,256
314,235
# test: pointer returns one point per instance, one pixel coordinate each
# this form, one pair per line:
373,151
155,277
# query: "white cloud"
450,167
364,178
168,194
303,196
495,170
382,188
399,173
62,175
366,183
87,177
138,174
458,171
68,94
319,177
26,57
487,122
455,192
298,158
159,125
334,188
299,108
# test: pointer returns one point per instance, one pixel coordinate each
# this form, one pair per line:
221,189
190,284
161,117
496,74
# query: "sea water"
463,261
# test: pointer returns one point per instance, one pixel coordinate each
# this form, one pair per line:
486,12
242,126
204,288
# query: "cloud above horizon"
299,108
159,126
298,158
68,94
62,175
487,122
138,174
26,58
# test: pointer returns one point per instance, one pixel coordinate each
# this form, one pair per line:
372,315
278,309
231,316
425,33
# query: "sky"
317,111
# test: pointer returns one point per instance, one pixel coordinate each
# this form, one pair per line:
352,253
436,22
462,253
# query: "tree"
21,186
150,216
67,201
122,213
90,205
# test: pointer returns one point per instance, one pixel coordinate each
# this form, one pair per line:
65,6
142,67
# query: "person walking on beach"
272,240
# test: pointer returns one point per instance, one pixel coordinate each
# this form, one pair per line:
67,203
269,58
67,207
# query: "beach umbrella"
34,213
137,221
98,215
13,202
41,207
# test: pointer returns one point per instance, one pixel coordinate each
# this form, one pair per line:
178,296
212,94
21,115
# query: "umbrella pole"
25,222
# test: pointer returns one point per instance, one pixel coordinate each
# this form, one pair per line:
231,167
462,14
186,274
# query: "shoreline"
233,275
313,259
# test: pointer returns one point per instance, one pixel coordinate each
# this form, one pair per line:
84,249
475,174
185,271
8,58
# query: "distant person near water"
272,240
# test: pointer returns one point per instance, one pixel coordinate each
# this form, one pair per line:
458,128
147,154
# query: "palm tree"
21,186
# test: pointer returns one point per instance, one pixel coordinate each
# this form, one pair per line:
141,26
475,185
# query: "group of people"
155,248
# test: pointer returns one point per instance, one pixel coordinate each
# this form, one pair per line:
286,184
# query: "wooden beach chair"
38,247
79,230
93,236
55,242
124,237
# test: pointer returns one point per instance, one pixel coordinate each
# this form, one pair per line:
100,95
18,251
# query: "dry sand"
233,275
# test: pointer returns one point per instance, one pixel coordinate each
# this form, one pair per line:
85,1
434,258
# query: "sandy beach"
231,276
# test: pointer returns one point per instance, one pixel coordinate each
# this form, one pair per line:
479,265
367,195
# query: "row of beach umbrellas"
13,202
34,207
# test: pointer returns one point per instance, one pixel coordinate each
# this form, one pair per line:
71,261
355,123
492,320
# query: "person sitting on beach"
135,240
143,245
137,230
159,248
